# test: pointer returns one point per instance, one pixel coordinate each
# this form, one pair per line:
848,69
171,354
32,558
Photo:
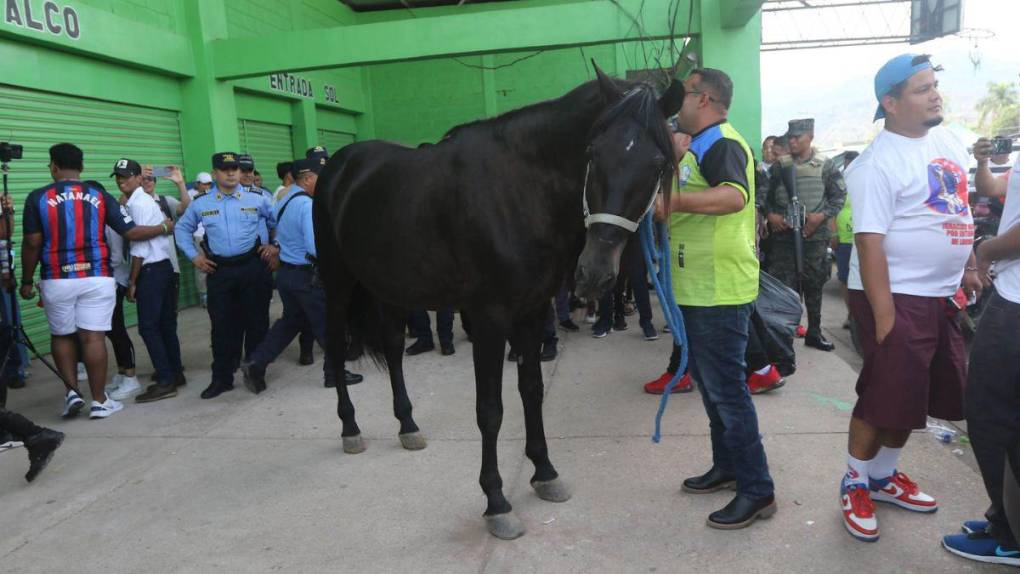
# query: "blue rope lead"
658,263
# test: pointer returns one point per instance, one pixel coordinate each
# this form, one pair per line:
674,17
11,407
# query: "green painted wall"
160,56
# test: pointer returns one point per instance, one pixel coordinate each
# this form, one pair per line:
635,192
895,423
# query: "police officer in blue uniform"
304,302
254,335
233,258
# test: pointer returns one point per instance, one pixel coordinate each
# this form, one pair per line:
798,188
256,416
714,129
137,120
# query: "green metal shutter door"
105,131
334,140
268,144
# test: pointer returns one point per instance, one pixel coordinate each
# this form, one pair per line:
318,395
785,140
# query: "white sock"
857,470
764,370
884,464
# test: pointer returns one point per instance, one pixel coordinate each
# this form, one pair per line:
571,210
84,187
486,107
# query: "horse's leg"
394,322
339,287
527,339
487,351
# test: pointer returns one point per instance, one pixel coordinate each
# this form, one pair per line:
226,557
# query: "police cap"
225,160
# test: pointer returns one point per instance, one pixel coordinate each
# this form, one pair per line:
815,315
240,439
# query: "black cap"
225,160
308,164
126,168
317,151
246,162
799,127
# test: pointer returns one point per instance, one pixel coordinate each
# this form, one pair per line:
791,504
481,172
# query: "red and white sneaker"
858,511
658,386
898,489
770,381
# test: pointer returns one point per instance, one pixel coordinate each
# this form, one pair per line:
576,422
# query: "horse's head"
630,155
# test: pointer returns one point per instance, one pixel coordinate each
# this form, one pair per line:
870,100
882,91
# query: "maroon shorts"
919,369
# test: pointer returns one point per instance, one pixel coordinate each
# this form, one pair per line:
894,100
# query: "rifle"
795,217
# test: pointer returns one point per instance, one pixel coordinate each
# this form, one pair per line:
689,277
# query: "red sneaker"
898,489
770,381
658,386
858,512
801,332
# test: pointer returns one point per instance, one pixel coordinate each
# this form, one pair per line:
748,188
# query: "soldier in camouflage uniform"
822,192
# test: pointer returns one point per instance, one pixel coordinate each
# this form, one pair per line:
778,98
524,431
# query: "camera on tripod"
9,151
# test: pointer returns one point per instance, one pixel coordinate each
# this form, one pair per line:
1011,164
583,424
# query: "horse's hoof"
505,526
554,490
413,441
353,444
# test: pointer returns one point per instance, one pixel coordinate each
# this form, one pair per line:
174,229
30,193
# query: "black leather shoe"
254,377
512,356
157,392
446,348
711,481
742,511
41,447
569,325
352,378
216,389
420,346
818,342
180,380
16,383
306,358
619,323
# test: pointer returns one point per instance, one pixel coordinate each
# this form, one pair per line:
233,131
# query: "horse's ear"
609,89
672,100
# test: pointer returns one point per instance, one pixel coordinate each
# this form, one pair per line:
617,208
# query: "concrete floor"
259,484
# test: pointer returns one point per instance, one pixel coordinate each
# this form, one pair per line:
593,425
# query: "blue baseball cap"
897,70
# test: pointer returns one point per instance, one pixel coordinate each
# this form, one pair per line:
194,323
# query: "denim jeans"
718,338
993,404
157,321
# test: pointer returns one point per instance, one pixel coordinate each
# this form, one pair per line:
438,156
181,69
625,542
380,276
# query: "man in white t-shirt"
913,234
152,286
993,385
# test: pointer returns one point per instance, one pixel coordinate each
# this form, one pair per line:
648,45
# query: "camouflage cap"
799,127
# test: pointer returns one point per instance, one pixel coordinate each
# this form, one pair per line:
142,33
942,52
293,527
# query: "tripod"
13,331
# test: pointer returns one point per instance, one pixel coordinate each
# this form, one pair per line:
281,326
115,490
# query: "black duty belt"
236,259
305,267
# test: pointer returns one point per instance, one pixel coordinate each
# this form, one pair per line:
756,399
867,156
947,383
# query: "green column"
305,127
735,51
209,116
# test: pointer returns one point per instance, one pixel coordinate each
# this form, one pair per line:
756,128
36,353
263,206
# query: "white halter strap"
610,218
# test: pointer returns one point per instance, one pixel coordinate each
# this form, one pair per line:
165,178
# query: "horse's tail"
353,325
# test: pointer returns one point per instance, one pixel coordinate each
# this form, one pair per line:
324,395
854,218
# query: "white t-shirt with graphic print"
914,191
1007,271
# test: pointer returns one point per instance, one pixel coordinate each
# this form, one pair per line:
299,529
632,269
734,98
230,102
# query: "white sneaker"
128,387
83,374
73,404
114,383
103,410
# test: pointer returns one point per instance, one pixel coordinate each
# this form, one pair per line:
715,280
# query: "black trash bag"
775,318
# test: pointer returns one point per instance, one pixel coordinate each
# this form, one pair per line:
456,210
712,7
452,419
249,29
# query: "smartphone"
1002,146
161,171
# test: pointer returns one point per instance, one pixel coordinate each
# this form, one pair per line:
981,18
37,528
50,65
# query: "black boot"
420,346
446,348
41,447
254,377
818,341
549,350
742,511
352,378
711,481
215,389
307,357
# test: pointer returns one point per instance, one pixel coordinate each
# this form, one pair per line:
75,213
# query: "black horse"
490,221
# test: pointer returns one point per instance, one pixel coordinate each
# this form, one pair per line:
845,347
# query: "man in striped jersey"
64,235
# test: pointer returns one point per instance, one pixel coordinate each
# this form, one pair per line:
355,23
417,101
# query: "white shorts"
85,303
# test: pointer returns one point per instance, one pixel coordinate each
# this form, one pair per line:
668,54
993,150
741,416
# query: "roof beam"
469,31
737,13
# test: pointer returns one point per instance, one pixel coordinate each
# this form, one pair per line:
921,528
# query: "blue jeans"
157,320
718,338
